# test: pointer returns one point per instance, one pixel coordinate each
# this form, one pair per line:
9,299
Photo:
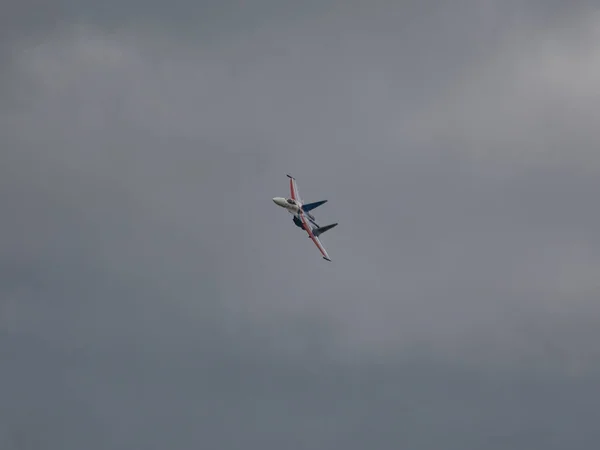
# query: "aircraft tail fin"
323,229
311,206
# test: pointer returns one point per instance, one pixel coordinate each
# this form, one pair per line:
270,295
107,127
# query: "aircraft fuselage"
293,207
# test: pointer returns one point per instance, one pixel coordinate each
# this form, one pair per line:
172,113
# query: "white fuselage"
293,206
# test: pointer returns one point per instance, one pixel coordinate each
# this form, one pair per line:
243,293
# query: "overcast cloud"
152,296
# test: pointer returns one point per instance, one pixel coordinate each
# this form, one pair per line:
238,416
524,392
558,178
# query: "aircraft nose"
278,201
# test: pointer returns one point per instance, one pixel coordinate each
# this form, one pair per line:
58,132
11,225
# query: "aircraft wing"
294,189
314,238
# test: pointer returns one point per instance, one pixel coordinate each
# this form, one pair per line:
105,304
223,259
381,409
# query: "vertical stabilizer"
320,230
311,206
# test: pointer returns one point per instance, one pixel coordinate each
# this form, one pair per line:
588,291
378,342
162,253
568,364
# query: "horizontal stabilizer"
319,231
311,206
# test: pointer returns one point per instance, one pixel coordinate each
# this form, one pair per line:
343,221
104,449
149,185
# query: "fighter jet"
302,216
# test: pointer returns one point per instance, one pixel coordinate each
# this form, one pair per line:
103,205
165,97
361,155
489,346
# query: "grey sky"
153,296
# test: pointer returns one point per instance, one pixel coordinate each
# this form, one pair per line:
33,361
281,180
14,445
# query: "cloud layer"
152,295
